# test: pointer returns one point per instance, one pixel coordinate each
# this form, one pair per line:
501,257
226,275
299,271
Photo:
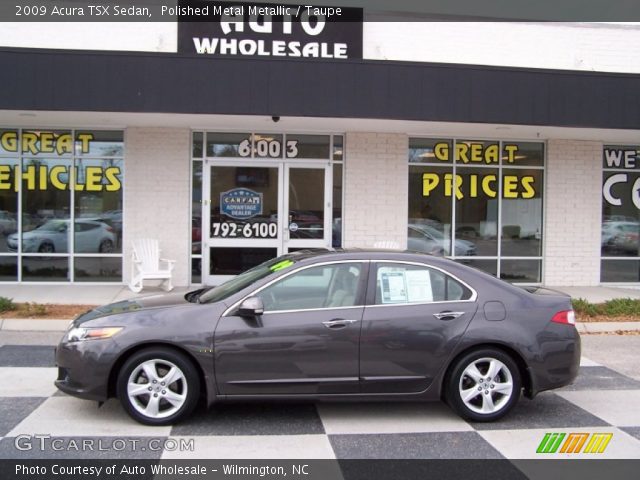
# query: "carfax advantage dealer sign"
226,29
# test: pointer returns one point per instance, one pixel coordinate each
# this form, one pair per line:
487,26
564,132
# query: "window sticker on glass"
281,265
418,286
392,285
402,286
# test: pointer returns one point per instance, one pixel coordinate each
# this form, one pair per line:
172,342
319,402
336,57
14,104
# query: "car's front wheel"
158,386
483,385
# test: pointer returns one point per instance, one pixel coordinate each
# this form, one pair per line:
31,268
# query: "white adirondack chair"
146,264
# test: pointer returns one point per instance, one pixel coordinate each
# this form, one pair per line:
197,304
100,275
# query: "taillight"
109,229
568,317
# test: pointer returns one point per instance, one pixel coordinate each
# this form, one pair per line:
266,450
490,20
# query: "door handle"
448,315
338,323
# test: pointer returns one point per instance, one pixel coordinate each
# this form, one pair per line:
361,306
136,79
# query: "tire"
46,247
175,400
488,400
106,246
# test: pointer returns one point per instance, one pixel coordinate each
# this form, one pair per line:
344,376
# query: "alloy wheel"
157,388
486,385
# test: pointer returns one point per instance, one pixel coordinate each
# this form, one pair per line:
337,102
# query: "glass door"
308,207
258,210
240,217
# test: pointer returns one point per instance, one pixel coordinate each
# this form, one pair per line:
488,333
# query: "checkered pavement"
601,400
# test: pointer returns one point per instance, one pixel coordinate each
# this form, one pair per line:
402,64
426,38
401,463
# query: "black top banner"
375,10
225,29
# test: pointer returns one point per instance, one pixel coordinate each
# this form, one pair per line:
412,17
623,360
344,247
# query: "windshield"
434,233
245,279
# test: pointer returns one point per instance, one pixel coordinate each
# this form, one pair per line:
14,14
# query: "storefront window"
430,207
197,149
265,145
8,204
477,201
430,150
196,217
522,213
620,235
338,148
226,144
309,146
336,230
98,201
8,268
70,190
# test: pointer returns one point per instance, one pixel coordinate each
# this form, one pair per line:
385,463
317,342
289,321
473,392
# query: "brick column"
376,189
157,196
573,213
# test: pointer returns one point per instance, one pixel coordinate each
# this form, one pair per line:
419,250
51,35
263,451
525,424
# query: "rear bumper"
559,363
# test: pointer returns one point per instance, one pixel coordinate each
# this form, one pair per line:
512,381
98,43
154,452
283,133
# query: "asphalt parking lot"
37,421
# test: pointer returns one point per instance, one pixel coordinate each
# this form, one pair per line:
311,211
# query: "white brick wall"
566,46
573,213
376,189
157,194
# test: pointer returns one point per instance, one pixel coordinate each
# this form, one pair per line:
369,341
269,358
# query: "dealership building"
510,147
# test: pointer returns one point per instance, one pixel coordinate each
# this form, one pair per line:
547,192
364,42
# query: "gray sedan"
327,325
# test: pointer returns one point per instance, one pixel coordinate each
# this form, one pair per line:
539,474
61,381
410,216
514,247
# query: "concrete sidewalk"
599,294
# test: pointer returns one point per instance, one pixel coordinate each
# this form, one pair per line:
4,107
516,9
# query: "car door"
414,317
306,342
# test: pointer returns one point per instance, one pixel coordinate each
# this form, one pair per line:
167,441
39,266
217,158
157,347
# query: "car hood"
33,234
132,305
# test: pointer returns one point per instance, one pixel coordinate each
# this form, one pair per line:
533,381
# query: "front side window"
325,286
403,284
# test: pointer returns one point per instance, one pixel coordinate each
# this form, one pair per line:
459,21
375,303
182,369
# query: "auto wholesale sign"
223,29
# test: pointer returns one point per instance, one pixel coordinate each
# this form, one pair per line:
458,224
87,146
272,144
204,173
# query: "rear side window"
400,283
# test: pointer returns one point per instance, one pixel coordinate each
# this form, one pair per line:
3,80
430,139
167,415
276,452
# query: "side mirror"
251,307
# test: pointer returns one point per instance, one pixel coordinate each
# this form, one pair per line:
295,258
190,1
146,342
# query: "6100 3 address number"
246,230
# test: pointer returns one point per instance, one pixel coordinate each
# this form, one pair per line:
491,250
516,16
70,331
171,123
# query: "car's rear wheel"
106,246
158,386
483,385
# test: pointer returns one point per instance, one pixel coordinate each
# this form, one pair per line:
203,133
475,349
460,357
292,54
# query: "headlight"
79,334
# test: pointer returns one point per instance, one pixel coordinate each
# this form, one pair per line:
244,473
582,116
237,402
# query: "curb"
604,327
33,325
53,325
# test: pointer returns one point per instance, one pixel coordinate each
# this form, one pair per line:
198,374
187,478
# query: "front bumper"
83,368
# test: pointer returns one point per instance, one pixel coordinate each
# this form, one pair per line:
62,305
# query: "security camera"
275,118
